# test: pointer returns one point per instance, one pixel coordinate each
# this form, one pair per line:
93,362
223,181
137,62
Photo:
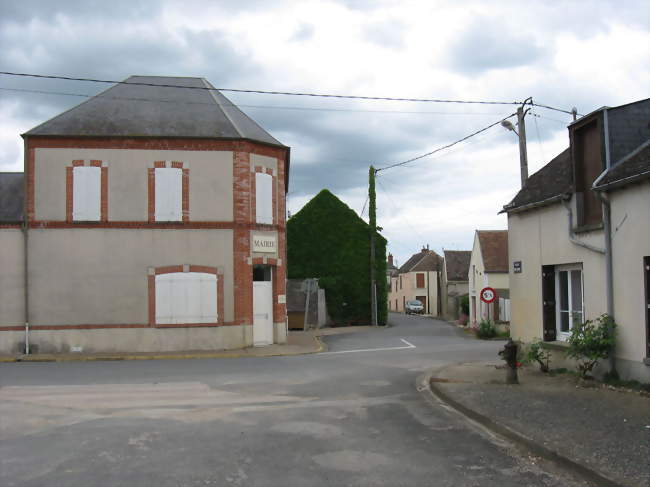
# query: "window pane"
564,321
576,291
564,291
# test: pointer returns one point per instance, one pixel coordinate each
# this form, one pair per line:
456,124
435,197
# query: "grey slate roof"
126,110
633,167
547,185
457,264
425,260
11,197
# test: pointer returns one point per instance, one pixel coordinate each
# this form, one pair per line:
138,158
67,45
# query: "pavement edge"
426,384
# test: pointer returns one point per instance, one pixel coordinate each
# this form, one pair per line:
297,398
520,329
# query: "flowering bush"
591,341
486,330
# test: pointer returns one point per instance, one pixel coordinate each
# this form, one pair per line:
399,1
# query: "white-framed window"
169,194
569,300
86,193
186,297
263,198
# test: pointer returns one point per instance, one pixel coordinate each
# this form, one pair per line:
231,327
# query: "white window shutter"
169,194
86,193
263,198
186,297
164,299
209,298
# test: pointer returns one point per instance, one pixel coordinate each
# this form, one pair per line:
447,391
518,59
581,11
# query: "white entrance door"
262,313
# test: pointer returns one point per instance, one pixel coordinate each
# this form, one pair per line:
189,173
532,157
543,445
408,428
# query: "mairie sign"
264,243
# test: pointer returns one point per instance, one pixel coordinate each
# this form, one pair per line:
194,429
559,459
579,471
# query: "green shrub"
535,352
591,341
486,330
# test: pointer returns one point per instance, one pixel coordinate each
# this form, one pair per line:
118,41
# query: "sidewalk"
601,434
298,343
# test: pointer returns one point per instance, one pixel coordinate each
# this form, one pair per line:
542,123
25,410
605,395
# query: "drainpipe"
25,252
572,236
607,227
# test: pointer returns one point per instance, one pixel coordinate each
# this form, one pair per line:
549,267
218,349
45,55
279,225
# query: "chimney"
390,260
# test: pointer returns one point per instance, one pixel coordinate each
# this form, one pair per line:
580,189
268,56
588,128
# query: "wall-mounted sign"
516,267
264,243
488,295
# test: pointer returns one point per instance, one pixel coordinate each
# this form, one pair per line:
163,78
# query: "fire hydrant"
509,354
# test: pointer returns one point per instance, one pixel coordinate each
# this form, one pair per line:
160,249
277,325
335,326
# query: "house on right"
579,238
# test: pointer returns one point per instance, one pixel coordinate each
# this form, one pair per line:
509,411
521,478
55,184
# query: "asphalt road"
348,417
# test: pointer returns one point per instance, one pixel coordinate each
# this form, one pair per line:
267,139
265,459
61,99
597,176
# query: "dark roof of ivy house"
633,167
457,264
551,183
11,197
494,248
425,260
150,109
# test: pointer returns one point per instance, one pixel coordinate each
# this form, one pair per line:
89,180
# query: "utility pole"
372,213
523,154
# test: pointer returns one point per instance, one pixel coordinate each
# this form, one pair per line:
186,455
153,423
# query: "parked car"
414,306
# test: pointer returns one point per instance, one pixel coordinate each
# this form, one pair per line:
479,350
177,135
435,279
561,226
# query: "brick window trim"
145,143
151,180
185,268
69,190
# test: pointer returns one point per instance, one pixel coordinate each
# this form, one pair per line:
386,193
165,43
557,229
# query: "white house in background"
558,245
488,267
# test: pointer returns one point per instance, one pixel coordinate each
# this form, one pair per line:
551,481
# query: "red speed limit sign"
488,295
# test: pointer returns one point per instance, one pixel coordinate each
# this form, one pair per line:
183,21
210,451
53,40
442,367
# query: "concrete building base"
132,339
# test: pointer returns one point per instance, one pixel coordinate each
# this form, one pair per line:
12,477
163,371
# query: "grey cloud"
486,44
386,34
303,33
25,10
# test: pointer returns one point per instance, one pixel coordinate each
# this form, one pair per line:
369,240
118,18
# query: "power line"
399,209
397,164
287,93
272,107
267,92
364,206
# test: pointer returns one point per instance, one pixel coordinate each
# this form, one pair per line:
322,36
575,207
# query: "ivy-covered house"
327,240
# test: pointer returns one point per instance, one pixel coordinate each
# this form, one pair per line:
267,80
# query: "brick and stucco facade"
91,284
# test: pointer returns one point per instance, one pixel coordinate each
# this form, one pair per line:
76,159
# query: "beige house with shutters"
589,204
418,278
153,220
488,267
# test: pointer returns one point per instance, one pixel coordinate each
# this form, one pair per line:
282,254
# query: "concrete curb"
160,356
586,473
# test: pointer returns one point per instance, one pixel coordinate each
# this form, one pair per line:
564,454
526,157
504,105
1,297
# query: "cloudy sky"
565,54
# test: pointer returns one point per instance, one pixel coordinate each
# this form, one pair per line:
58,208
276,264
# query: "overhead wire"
447,146
273,92
272,107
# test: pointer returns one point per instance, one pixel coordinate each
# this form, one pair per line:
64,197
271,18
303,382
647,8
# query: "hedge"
326,239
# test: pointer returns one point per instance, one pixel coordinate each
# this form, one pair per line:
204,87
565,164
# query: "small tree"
535,352
591,341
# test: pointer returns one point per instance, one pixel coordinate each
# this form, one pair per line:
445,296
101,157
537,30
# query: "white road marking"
409,345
